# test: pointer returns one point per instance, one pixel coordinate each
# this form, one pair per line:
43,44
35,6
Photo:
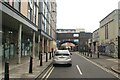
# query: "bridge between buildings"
79,39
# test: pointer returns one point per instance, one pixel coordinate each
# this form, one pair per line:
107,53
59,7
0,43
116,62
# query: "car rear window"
62,54
65,54
57,54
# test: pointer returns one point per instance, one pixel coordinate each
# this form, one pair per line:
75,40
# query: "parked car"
62,57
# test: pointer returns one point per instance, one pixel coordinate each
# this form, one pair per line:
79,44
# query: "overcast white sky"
72,14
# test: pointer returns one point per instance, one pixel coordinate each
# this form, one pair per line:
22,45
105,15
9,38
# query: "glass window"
12,50
34,9
43,27
29,11
76,40
106,31
17,5
43,8
75,35
35,12
45,24
30,3
5,0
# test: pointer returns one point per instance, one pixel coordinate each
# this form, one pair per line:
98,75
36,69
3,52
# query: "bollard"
30,65
40,59
39,55
91,54
98,54
87,53
52,52
46,57
50,55
6,71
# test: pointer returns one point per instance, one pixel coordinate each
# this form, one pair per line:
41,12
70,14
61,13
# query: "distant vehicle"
62,57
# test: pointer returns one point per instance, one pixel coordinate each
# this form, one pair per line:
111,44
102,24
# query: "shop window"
12,53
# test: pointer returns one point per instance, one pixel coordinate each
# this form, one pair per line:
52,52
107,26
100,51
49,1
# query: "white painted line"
50,72
47,72
105,69
79,69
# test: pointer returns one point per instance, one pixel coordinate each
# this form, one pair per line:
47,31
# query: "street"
81,68
32,32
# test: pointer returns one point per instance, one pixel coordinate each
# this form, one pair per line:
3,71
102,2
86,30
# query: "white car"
62,57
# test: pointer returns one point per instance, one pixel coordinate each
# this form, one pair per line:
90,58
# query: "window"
75,35
30,10
76,40
35,12
50,31
45,21
5,1
106,31
17,4
43,26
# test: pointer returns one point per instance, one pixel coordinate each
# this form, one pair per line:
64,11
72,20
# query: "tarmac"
22,70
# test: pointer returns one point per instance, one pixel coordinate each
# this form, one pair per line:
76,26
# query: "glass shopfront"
26,47
9,45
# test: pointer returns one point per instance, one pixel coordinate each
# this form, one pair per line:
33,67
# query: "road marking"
113,60
105,69
50,72
47,72
79,69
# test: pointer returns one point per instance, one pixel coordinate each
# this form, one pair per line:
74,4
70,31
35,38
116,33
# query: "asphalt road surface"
81,68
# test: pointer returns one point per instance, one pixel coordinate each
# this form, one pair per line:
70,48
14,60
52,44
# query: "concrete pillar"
33,51
51,45
19,44
42,44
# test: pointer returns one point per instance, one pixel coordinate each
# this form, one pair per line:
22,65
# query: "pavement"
105,61
19,71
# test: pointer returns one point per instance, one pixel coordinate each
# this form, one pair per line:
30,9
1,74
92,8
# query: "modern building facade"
106,36
47,25
20,28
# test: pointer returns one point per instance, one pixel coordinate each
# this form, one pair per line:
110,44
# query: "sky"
87,14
